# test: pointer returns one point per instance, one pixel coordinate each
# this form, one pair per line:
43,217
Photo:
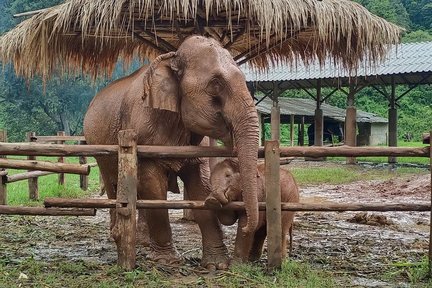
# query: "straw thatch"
91,35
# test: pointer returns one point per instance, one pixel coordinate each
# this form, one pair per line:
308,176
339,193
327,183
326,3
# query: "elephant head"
202,83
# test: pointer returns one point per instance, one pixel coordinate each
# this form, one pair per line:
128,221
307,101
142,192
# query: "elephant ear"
161,89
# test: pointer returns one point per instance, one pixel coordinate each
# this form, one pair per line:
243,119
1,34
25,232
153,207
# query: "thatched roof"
91,35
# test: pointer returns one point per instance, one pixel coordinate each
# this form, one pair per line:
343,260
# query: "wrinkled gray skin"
226,179
179,98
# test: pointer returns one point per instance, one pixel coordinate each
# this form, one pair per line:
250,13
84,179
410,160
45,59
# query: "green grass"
346,174
415,273
49,187
32,273
411,160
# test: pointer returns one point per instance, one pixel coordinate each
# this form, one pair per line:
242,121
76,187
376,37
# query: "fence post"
32,182
124,231
61,176
83,178
3,173
273,205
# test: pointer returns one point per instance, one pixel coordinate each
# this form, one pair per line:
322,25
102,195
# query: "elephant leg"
287,222
215,253
153,185
143,238
109,170
257,245
243,242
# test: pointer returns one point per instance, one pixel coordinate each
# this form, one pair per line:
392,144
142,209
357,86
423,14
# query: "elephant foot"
215,262
166,255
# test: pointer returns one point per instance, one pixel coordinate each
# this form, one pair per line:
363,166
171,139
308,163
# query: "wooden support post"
275,121
83,178
3,173
124,231
301,132
262,130
351,122
61,176
430,224
32,182
392,125
273,205
292,130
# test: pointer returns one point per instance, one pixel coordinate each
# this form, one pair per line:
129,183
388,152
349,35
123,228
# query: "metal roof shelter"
409,64
300,107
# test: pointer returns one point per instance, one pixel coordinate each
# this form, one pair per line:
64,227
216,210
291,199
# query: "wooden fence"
126,203
37,169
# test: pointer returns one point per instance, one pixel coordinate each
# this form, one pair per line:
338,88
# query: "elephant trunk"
245,134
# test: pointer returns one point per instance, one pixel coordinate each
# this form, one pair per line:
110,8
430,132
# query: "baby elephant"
226,184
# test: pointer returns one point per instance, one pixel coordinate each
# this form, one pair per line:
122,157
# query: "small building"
371,129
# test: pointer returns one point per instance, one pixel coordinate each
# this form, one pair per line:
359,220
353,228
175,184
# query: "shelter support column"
319,118
392,115
301,132
351,122
275,116
292,130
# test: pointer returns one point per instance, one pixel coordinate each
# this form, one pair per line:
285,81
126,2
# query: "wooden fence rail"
200,205
126,202
197,151
45,166
41,211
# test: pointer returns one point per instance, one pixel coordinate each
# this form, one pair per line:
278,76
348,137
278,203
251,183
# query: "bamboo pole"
41,211
200,205
124,231
27,175
32,182
45,166
273,207
198,151
61,176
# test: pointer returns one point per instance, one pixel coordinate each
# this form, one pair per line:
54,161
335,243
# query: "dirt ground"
357,246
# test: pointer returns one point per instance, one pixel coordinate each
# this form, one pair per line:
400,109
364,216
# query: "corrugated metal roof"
401,59
306,107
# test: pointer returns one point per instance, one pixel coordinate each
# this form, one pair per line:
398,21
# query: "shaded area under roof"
306,107
409,63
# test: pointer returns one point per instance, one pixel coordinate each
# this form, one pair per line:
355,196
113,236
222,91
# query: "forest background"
25,106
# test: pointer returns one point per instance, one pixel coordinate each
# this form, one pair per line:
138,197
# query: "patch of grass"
49,187
415,273
346,174
32,273
292,274
410,160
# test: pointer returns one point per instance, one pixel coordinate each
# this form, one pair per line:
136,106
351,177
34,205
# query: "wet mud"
357,247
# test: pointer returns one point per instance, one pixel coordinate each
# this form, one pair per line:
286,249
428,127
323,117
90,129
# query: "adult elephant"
179,98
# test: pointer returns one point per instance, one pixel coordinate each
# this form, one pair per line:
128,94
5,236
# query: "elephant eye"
228,174
214,87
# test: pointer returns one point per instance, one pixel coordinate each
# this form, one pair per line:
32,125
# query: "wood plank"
41,211
273,207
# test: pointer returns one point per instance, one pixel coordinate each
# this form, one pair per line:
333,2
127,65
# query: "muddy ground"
358,247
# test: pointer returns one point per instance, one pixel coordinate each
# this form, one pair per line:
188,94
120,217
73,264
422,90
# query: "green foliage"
415,272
